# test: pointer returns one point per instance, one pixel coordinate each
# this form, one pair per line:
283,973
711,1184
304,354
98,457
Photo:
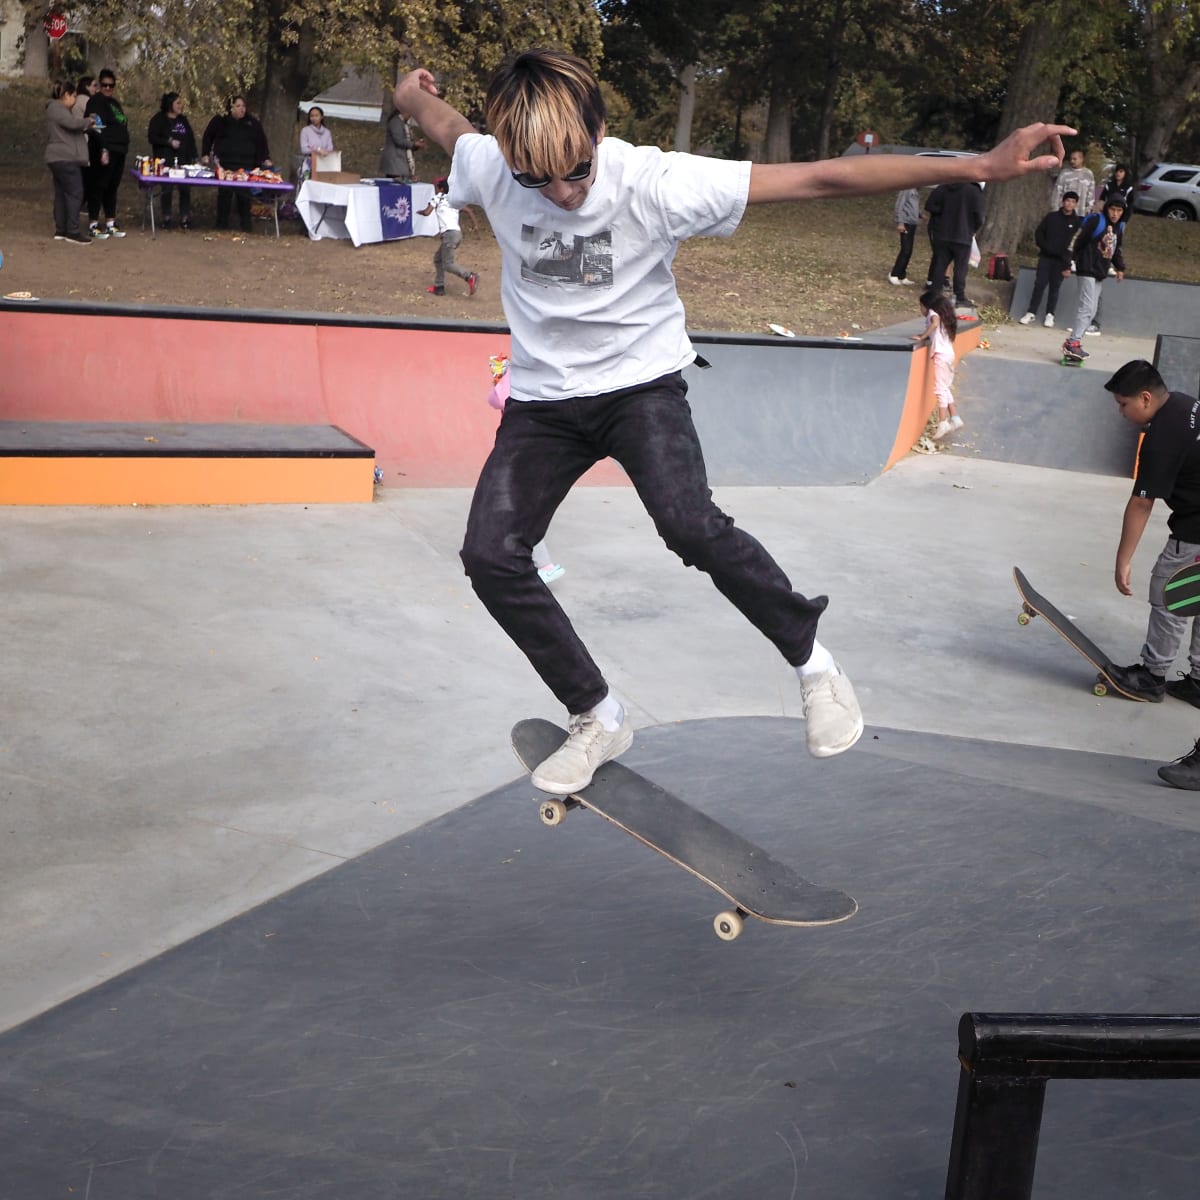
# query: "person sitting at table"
235,142
171,139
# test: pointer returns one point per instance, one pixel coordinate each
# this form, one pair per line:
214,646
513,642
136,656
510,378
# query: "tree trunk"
1169,84
1014,208
35,43
833,75
687,108
777,144
288,71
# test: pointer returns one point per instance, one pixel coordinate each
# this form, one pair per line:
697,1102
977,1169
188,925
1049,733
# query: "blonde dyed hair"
546,112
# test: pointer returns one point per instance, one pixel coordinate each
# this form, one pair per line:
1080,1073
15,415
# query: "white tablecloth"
351,210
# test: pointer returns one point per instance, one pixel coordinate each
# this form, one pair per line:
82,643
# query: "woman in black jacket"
1121,186
172,140
108,150
236,141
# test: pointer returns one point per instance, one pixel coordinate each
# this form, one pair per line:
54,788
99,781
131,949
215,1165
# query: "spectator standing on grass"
235,141
908,217
86,88
171,139
1053,236
397,160
66,155
108,152
450,238
955,215
1074,178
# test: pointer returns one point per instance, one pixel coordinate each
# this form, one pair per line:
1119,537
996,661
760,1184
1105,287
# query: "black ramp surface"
483,1008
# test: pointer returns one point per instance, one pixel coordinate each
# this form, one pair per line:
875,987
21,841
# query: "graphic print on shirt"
549,259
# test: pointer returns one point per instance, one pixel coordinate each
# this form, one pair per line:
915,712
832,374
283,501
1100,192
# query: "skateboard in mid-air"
756,884
1036,605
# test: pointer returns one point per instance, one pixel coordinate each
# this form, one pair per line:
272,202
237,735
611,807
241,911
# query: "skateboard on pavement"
745,874
1036,605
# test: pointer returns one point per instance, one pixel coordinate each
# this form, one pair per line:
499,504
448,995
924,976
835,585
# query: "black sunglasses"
574,175
109,83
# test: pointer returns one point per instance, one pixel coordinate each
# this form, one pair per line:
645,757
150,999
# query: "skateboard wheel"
728,925
1100,689
1024,618
552,812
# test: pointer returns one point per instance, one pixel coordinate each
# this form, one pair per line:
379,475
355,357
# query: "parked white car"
1171,190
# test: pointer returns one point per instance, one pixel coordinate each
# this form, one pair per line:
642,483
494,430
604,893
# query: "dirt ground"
764,274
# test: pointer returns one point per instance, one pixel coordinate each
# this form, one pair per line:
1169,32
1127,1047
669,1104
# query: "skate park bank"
770,410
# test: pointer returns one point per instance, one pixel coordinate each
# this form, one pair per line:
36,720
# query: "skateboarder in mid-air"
598,346
1168,469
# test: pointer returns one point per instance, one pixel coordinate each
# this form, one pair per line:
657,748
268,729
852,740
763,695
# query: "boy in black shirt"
1053,237
1168,469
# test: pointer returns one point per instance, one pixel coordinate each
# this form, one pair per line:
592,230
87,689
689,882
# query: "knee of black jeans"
695,541
485,560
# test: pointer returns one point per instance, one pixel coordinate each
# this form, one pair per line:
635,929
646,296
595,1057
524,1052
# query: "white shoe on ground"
943,428
1049,321
1027,319
895,280
571,767
956,423
1092,331
831,712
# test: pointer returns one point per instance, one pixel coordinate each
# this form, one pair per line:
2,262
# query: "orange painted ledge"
50,480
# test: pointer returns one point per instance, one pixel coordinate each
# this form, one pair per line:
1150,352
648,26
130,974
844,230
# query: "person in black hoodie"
235,141
1053,236
1095,246
955,215
108,151
171,139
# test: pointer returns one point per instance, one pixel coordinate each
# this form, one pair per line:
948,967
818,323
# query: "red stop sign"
55,25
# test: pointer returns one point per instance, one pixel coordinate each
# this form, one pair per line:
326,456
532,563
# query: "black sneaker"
80,239
1186,687
1183,772
1139,681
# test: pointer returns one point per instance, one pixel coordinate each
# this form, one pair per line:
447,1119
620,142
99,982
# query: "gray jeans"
1089,302
1164,630
443,260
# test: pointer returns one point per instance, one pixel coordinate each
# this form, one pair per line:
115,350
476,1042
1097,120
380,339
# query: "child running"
449,239
588,226
941,328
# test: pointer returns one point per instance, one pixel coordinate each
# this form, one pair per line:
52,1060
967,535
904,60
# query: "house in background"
354,97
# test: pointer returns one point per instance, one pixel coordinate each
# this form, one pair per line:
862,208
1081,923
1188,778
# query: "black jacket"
162,129
1053,235
114,137
955,212
1095,244
236,143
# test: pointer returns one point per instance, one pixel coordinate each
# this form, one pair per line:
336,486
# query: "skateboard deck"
1036,605
745,874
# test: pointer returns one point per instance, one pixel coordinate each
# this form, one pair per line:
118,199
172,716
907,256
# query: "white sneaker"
943,428
571,767
1049,321
1027,319
956,423
550,572
895,279
831,712
1092,331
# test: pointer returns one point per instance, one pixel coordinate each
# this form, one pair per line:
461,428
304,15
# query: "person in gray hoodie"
908,217
66,156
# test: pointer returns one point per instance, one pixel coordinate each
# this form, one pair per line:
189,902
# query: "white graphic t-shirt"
589,295
446,213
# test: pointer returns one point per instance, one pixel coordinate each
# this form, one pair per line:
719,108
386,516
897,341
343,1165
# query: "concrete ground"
205,707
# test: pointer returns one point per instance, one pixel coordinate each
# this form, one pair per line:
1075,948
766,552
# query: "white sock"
820,660
609,713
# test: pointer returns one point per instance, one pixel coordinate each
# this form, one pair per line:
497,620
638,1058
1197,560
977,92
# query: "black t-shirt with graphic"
1169,464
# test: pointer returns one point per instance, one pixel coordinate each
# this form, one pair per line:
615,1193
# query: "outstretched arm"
867,174
416,96
1137,513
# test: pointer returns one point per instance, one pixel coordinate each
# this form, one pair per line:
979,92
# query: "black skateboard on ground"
745,874
1036,605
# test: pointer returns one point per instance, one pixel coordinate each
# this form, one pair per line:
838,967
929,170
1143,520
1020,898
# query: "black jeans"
900,266
105,182
225,200
68,195
945,253
542,448
1049,275
185,201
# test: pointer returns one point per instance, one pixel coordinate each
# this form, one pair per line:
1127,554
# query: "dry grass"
818,268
